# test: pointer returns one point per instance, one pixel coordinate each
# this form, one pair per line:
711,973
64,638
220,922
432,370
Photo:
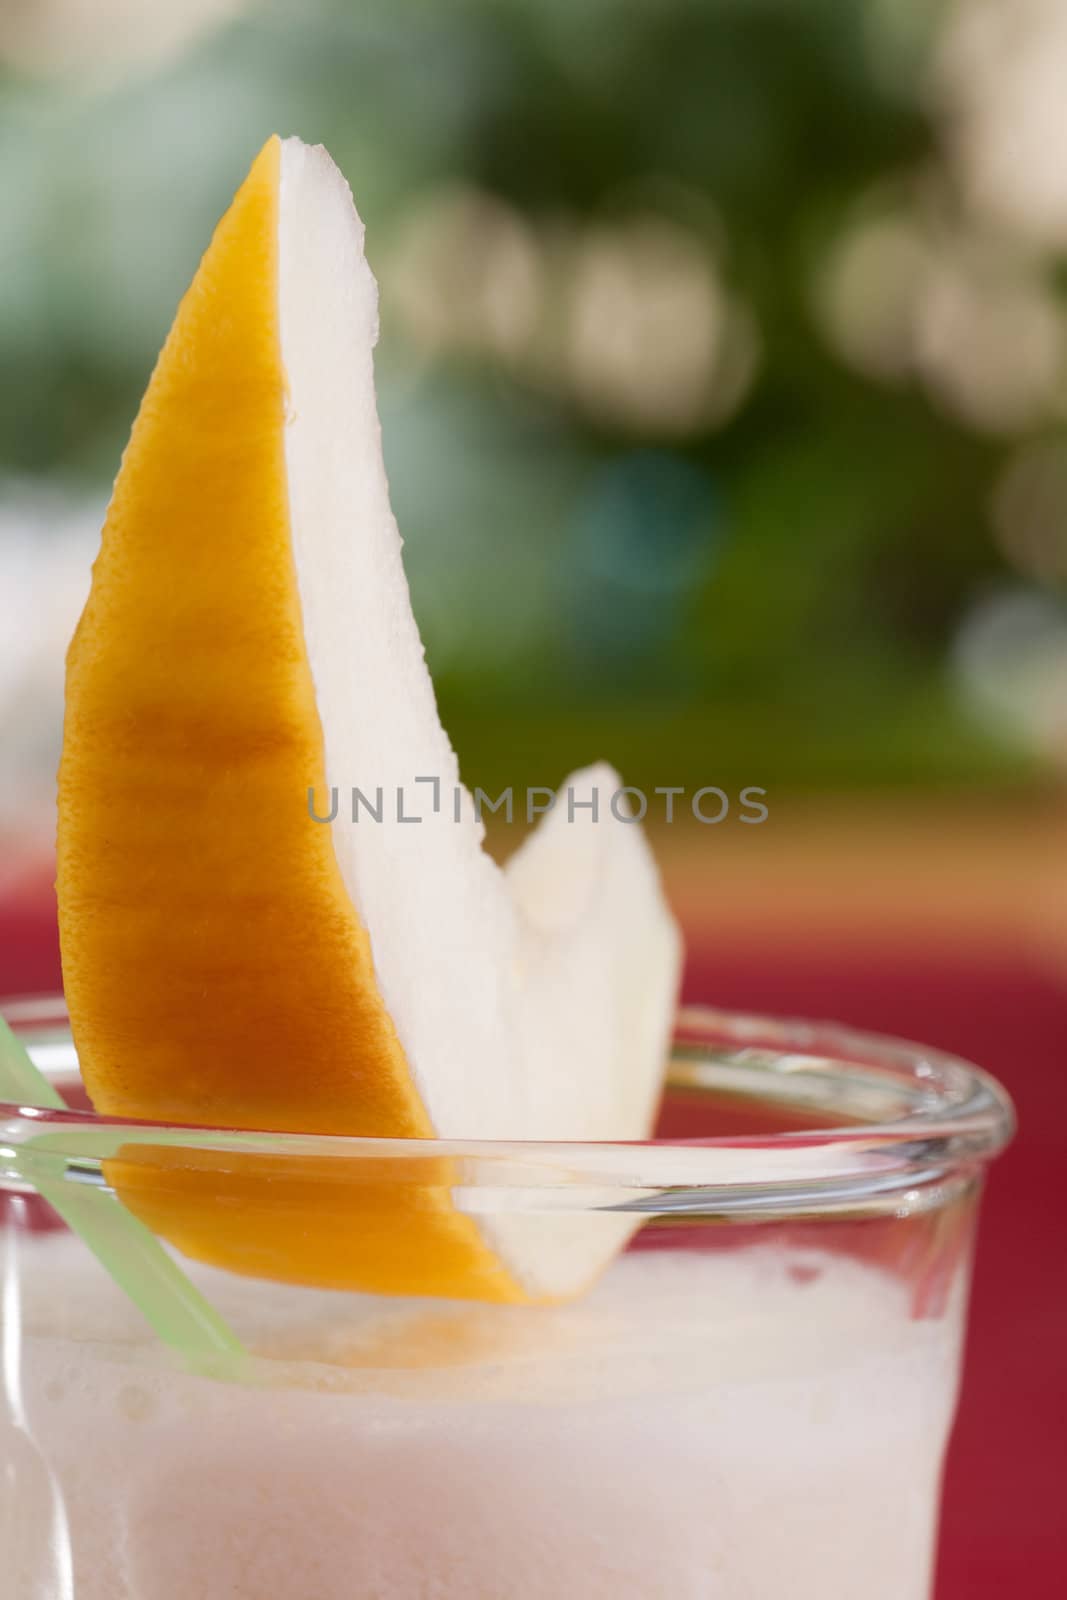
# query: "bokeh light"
724,353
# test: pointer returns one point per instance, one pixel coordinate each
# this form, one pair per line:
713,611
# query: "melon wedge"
229,960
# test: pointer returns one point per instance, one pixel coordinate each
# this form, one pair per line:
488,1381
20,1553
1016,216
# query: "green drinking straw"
122,1244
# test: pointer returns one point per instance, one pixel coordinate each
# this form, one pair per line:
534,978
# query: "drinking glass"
752,1400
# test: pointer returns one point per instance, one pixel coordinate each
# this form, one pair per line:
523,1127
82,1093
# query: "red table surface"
1004,1525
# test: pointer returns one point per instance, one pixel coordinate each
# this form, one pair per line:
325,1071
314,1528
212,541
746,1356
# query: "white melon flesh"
533,1002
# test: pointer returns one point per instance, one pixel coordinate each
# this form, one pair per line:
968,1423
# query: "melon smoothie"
736,1408
351,1266
673,1440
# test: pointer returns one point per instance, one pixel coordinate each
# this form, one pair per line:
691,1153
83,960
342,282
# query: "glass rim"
909,1124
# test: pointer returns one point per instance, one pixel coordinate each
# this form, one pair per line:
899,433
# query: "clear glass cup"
752,1402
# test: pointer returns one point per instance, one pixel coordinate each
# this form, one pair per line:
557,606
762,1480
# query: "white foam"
700,1427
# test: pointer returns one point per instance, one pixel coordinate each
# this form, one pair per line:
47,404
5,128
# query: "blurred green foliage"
764,588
